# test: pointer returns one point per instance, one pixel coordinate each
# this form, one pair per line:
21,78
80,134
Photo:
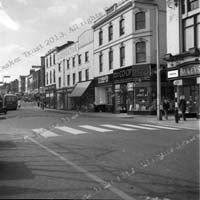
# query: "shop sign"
103,79
130,87
190,70
178,82
117,87
173,74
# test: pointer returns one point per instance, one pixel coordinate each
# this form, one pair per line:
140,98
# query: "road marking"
118,127
70,130
140,127
95,178
94,128
45,133
162,127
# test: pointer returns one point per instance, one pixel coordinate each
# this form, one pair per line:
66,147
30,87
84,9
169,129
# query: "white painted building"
125,55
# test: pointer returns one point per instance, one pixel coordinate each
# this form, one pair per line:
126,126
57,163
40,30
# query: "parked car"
3,109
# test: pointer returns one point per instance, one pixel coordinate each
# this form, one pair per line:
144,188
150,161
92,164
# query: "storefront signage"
130,87
178,82
103,79
137,71
173,74
192,69
117,87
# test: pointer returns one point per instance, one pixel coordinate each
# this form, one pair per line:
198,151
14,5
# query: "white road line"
94,128
140,127
93,177
45,133
118,127
71,130
162,127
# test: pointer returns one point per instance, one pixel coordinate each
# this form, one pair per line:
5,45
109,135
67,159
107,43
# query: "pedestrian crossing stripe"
139,127
118,127
71,130
94,128
162,127
45,133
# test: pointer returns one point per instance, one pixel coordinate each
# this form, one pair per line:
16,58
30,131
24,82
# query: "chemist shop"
186,80
135,89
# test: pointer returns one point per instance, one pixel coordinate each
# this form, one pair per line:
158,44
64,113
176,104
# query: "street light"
159,116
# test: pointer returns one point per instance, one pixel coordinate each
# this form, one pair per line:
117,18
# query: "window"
192,5
100,37
140,21
110,59
74,78
80,76
59,82
140,52
110,32
121,27
47,62
50,77
68,80
68,63
79,59
183,6
101,62
86,74
73,61
122,56
54,76
50,60
47,78
191,32
54,59
86,56
59,67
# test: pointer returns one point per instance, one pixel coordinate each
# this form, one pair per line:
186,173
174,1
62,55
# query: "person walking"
182,106
166,108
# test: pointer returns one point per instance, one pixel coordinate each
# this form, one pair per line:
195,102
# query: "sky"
26,27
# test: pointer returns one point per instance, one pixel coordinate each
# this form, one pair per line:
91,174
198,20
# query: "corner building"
125,57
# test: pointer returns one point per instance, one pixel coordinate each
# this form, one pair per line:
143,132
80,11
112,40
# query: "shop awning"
80,89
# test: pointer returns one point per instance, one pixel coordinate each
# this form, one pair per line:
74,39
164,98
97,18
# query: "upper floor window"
59,67
110,32
74,78
191,32
121,26
140,52
122,55
47,78
86,74
79,59
73,61
110,59
59,82
68,64
54,76
100,37
193,4
68,80
101,62
54,59
140,21
47,62
50,60
80,76
50,77
86,56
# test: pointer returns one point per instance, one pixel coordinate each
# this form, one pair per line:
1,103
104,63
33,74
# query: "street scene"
100,99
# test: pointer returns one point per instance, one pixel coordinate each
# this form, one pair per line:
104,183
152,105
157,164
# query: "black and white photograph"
100,99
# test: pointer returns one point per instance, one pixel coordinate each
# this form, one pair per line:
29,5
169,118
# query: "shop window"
101,62
110,59
80,76
121,27
140,52
110,32
86,74
140,21
100,37
122,56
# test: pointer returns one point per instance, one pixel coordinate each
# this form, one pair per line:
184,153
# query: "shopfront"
50,96
186,80
135,89
104,95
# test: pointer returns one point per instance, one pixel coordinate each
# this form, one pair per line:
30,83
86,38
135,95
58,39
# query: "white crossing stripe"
140,127
94,128
45,133
161,127
118,127
71,130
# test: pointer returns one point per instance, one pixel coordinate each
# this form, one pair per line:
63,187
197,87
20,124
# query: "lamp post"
159,116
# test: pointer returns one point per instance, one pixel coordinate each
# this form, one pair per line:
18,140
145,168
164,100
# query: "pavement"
190,123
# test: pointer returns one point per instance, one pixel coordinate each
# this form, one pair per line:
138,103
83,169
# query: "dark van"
3,109
10,101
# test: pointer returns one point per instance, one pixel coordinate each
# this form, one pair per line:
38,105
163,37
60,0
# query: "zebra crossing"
102,128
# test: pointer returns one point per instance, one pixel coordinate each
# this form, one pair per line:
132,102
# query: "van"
10,101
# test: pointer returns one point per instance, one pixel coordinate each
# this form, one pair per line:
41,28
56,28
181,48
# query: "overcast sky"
27,24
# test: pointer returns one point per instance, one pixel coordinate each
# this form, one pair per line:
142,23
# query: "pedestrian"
19,103
166,108
38,103
182,106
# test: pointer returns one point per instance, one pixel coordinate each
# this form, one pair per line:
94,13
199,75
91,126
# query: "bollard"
176,116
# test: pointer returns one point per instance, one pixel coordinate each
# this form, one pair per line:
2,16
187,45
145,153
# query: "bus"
2,107
10,101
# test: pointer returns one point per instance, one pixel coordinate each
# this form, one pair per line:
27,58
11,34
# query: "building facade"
125,56
183,51
22,84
